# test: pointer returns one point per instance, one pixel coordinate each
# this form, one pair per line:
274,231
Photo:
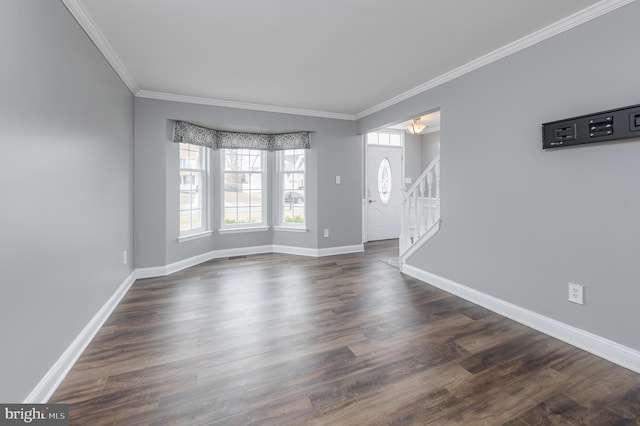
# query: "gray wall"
412,154
66,185
335,150
552,216
430,148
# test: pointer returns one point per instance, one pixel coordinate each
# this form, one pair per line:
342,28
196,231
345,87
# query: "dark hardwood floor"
341,340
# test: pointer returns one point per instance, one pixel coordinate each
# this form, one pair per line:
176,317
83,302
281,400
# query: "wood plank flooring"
343,340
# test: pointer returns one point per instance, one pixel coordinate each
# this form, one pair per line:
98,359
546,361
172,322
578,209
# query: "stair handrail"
422,177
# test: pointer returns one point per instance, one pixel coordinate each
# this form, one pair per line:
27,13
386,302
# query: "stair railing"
420,206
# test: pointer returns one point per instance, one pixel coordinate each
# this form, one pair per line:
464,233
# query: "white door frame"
365,170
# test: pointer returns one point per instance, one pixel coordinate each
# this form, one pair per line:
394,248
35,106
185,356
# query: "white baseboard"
50,382
332,251
298,251
161,271
604,348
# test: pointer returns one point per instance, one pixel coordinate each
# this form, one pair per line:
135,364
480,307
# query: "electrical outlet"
576,293
337,180
326,233
124,257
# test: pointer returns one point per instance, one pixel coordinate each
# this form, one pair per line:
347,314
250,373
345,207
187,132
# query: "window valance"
198,135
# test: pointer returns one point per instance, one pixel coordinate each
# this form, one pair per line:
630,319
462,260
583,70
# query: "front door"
384,180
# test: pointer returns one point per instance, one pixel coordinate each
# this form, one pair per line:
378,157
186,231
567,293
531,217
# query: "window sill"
243,229
290,228
194,236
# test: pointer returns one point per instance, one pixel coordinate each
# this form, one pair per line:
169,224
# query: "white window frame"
205,229
280,184
244,227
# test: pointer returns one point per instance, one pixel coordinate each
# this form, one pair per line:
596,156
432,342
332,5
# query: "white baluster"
403,221
421,208
416,216
429,210
437,167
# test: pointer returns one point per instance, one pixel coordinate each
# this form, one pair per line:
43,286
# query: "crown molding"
578,18
241,105
82,16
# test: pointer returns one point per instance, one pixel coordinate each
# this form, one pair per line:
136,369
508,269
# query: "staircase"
420,215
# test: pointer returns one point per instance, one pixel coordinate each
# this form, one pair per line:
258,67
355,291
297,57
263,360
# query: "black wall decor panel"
615,124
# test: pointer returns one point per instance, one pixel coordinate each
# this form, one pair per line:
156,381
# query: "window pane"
256,216
232,183
385,138
192,187
255,182
372,138
191,156
196,219
384,180
256,161
299,164
243,191
230,215
231,160
185,220
288,160
292,166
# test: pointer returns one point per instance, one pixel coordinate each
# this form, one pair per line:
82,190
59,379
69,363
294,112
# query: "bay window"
243,188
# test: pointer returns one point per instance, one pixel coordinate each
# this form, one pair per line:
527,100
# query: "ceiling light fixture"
415,127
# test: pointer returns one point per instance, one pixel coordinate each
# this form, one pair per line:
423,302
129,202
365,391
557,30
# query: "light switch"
337,180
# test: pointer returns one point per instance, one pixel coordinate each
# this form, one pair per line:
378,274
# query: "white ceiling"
343,57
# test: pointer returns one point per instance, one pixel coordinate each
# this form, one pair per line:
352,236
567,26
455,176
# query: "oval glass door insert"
384,180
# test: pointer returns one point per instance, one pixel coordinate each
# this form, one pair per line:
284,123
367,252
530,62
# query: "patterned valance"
195,135
216,139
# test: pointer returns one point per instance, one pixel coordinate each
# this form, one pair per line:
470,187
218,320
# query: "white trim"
242,105
597,345
50,382
421,241
290,229
161,271
298,251
194,236
241,229
365,219
151,272
205,229
332,251
578,18
89,26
